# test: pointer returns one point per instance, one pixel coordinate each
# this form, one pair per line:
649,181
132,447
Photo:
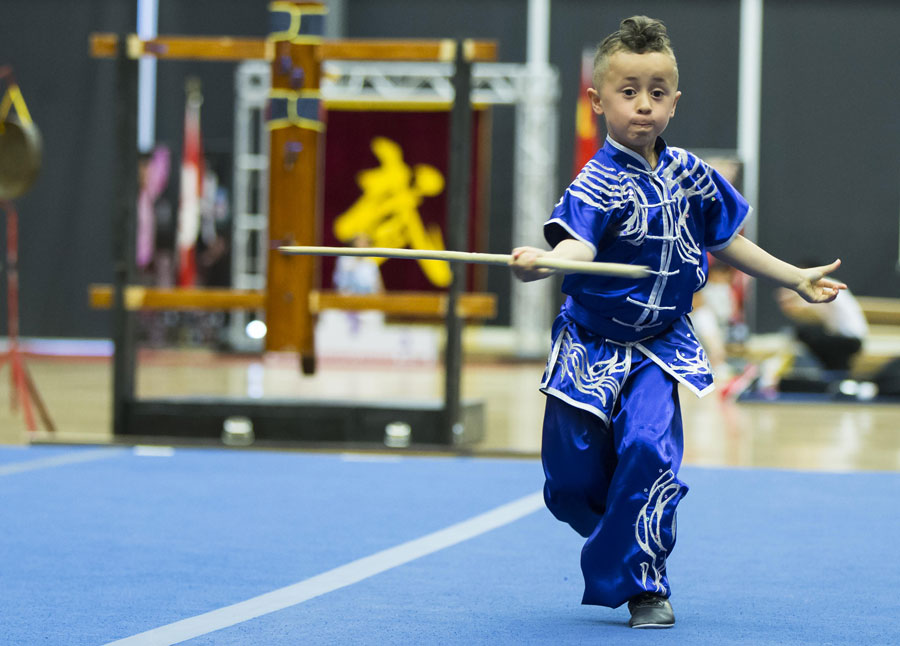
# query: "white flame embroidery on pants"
648,529
601,379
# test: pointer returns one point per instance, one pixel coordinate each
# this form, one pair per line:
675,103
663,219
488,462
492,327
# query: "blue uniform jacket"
666,218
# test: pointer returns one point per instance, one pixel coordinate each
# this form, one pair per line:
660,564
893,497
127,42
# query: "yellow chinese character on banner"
388,209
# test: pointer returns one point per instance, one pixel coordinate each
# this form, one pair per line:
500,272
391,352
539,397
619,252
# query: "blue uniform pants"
617,484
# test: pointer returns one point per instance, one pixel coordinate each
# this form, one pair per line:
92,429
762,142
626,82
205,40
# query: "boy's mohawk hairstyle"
641,34
638,35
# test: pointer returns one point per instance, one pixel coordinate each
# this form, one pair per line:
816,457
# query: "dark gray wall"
204,18
830,167
829,183
64,233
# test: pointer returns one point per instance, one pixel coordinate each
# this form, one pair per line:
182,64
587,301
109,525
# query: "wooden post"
296,129
124,331
457,232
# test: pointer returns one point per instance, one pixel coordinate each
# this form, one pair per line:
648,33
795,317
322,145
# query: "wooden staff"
504,259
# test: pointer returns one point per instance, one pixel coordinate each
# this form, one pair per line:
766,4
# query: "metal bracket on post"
457,229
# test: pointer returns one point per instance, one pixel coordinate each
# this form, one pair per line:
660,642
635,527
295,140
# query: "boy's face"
637,97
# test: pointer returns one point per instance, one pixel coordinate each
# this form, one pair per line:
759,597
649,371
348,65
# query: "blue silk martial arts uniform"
612,438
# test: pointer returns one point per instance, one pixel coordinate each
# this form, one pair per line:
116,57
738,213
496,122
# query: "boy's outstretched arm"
810,283
523,258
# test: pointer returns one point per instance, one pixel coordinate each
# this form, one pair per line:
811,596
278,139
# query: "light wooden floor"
834,437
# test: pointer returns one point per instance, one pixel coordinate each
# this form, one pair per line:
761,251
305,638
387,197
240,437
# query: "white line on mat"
337,578
58,460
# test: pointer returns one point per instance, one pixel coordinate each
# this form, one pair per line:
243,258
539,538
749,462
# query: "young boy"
612,437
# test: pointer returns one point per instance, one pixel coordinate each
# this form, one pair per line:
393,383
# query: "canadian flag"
191,189
585,119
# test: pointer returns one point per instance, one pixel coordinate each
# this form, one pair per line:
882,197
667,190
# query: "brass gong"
20,157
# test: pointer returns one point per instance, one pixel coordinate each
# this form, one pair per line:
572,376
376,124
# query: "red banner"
191,191
586,143
386,184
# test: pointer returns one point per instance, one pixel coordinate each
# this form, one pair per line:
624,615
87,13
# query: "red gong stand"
20,161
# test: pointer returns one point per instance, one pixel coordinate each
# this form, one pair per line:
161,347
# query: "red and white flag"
191,190
585,119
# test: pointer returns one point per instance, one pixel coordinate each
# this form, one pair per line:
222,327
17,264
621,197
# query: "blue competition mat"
102,544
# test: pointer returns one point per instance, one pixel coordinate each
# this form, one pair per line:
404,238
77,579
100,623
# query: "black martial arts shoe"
650,610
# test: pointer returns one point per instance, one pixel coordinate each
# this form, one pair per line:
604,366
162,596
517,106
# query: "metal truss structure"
532,90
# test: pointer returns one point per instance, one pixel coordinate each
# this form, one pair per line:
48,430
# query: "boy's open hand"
523,264
815,288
